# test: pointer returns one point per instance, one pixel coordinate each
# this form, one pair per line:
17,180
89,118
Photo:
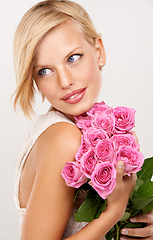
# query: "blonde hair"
34,25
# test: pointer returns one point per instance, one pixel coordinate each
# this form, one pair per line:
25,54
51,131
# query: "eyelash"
77,54
41,70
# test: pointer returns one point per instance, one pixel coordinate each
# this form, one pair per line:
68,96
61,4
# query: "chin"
84,108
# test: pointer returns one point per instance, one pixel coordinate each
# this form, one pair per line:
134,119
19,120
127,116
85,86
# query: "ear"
101,54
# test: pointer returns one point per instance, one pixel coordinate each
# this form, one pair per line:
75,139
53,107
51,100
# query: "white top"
42,124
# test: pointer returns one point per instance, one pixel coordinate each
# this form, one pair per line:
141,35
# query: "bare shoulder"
60,138
57,145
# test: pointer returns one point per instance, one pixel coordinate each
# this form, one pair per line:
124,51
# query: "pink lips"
74,96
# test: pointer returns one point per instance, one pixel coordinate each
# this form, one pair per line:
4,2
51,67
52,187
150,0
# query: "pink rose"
93,135
105,150
124,119
103,179
88,163
132,158
83,121
84,124
73,175
125,140
105,121
99,108
83,148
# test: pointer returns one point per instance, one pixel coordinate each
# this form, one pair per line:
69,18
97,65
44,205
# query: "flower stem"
117,232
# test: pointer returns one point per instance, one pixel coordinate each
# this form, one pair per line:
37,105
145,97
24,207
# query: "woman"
58,49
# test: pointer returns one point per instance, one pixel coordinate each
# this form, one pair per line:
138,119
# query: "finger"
129,238
138,232
120,171
131,179
146,218
134,177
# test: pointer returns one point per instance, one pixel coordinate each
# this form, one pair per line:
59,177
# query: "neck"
71,117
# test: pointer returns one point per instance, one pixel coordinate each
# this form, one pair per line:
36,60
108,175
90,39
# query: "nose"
65,78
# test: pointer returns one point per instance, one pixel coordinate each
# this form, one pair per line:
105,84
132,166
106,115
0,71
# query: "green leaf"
91,208
85,187
87,211
125,216
99,199
91,194
98,213
77,194
149,207
134,212
139,182
145,190
103,206
146,171
134,225
141,202
109,236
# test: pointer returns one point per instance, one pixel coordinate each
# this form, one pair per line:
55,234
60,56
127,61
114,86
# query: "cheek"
94,79
90,72
48,90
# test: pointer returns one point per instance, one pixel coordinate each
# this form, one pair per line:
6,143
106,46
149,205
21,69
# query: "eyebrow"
68,55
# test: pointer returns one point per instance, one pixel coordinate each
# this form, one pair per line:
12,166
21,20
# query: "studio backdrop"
127,32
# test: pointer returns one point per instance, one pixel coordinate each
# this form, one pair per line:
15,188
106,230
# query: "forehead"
62,39
69,25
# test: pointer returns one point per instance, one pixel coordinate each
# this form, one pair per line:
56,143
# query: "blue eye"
44,72
74,58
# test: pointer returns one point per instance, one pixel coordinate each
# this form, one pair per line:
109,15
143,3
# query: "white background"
127,31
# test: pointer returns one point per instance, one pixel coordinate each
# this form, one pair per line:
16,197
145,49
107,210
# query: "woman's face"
66,69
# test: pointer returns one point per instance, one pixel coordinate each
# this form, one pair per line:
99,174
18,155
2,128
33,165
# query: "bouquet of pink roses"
107,138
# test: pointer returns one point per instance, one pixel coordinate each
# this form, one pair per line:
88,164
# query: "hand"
123,188
145,233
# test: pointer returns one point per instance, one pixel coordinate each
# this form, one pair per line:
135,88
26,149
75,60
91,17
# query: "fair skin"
42,189
63,65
